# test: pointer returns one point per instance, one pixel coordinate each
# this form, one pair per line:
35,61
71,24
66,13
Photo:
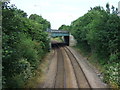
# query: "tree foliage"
64,27
40,20
24,44
98,31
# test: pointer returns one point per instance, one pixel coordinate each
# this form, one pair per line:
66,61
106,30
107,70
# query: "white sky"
60,12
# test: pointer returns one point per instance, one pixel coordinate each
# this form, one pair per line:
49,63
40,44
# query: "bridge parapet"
55,33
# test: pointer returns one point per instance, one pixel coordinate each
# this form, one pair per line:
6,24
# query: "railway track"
59,79
67,72
81,79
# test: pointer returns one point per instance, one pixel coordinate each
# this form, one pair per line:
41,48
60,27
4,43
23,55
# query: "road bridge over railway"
60,33
55,33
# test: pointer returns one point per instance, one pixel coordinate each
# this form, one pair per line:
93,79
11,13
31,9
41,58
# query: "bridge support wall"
67,40
72,41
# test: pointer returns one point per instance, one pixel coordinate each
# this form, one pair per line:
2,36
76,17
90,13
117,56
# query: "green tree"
64,27
98,33
108,8
24,44
40,20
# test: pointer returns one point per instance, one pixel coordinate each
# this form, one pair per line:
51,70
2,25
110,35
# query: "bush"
24,44
26,49
111,73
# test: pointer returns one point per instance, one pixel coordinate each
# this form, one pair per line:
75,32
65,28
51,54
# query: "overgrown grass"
83,50
39,76
88,55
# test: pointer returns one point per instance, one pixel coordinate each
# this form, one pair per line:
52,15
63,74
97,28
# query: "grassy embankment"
94,60
40,73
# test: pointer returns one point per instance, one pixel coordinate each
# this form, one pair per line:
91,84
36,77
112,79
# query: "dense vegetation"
24,44
98,32
64,27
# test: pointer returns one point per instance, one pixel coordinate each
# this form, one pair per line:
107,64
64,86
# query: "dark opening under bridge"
59,33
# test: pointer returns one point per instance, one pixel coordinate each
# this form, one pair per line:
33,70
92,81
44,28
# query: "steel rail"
69,51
